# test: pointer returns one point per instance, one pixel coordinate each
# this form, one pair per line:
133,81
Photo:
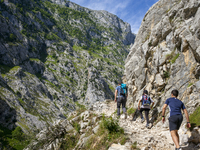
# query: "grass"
70,141
77,127
172,57
80,108
134,146
111,87
195,118
190,84
131,111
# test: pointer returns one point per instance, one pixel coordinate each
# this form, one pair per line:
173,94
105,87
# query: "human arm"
115,95
163,112
187,117
152,105
139,104
126,91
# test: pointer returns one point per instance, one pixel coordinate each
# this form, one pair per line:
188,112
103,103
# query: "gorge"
60,63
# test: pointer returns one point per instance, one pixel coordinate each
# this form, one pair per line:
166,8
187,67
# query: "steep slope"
165,55
54,54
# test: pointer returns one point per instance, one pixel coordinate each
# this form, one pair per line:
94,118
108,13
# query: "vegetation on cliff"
53,55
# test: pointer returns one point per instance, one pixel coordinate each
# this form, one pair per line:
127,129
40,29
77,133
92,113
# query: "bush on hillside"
109,132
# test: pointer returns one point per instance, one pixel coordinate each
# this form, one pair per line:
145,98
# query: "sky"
131,11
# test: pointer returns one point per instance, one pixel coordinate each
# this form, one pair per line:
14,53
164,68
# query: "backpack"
123,89
146,100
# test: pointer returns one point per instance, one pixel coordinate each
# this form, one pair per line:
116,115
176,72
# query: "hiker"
121,94
176,117
146,106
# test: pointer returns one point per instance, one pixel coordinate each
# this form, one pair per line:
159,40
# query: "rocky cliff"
166,54
53,54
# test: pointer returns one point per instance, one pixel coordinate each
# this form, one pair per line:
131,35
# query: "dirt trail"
156,138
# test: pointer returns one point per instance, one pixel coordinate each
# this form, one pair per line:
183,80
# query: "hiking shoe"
125,115
178,148
142,120
148,126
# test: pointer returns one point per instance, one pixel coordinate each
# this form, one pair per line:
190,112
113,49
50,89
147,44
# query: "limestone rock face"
165,55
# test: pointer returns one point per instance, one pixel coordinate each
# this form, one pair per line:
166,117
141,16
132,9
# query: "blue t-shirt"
175,106
118,90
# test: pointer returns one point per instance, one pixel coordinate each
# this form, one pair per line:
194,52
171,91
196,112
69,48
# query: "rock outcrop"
165,55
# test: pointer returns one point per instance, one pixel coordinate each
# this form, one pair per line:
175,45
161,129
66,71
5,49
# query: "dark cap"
145,92
119,81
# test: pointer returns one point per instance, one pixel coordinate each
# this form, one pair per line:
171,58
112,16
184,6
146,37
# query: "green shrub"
131,111
111,125
134,146
55,56
109,132
77,127
70,141
15,139
166,74
195,118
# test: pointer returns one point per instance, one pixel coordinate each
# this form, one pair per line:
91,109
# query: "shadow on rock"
7,115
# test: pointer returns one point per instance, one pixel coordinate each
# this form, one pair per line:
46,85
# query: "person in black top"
176,117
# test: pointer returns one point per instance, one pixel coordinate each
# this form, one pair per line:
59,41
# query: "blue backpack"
123,89
146,100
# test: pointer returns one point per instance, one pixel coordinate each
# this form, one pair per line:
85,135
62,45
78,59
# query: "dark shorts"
121,101
175,122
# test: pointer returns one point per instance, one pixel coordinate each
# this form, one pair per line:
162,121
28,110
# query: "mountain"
56,56
77,66
166,56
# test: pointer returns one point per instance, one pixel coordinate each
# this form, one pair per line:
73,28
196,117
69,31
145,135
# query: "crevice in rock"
190,12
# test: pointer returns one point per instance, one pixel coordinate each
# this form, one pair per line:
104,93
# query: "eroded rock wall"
165,55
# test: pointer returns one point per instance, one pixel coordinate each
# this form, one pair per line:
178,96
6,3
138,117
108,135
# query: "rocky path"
156,138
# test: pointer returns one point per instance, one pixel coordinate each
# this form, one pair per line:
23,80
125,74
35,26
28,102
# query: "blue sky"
131,11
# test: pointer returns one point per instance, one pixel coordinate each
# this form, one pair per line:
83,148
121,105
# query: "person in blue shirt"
121,98
176,118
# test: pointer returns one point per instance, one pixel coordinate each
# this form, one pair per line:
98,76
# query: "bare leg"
175,137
